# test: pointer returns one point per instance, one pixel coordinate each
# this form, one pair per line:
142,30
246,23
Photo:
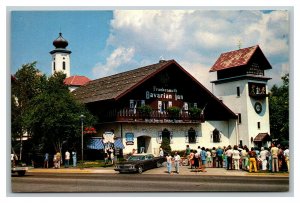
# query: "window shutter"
197,136
159,105
186,137
159,137
171,137
185,106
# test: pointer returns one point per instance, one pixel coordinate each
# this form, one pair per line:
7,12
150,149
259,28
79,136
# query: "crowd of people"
273,158
58,159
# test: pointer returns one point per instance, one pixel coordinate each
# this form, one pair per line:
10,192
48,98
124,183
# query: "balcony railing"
156,116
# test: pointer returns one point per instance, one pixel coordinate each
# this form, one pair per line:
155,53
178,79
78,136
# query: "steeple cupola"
61,56
60,42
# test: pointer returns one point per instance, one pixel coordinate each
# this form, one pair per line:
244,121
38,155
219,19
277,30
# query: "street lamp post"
81,118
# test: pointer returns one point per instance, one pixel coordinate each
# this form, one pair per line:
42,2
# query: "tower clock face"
258,107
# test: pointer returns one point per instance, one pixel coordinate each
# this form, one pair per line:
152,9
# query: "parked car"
17,167
139,163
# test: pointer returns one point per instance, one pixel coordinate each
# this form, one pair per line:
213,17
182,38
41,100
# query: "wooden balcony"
131,115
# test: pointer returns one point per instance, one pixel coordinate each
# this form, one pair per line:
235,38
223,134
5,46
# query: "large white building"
136,105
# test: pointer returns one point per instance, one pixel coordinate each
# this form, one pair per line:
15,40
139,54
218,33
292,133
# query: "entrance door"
144,144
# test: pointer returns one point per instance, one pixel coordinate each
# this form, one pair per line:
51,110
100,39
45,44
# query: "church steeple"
61,56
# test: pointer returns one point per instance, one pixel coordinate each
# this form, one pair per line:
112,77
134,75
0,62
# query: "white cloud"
195,38
120,56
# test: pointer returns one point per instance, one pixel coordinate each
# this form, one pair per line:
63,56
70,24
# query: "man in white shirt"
176,162
263,158
67,159
286,154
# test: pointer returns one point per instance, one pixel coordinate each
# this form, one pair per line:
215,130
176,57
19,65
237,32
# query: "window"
192,136
258,125
134,104
54,66
163,105
238,93
64,65
239,118
216,136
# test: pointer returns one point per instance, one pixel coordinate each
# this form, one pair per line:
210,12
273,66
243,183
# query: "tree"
279,111
45,110
25,85
53,116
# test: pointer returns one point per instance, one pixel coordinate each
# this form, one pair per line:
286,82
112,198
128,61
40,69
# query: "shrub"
173,112
145,111
195,113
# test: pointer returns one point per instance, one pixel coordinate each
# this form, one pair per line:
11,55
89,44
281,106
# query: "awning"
118,144
95,143
261,137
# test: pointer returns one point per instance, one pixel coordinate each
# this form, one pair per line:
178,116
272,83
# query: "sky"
106,42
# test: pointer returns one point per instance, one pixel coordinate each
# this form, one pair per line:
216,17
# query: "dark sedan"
139,163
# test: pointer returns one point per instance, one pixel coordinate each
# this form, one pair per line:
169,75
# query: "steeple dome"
60,42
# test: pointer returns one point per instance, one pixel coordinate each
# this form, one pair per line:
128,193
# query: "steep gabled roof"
76,80
238,58
114,86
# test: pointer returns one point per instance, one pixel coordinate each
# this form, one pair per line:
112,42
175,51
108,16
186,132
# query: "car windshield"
136,158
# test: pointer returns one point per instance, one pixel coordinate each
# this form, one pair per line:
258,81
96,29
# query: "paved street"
155,180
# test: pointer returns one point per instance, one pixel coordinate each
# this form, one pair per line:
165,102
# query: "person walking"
245,158
46,160
286,154
74,157
252,160
176,162
187,153
58,159
263,158
161,152
274,153
229,154
67,159
208,158
169,163
203,156
219,153
192,159
236,157
214,157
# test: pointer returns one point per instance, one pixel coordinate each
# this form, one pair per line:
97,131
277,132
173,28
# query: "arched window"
64,65
216,135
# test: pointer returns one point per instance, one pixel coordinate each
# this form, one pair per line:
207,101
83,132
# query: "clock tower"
241,85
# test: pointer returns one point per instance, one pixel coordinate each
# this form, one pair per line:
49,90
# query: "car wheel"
140,169
158,165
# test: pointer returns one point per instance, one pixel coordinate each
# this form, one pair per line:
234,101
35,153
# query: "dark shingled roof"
262,137
238,58
114,86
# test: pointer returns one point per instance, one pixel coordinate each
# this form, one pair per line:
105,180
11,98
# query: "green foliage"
145,111
165,145
173,112
279,111
195,113
52,115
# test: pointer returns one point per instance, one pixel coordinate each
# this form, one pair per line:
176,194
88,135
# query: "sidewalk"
184,170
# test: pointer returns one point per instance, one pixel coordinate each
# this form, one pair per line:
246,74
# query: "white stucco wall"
58,58
244,105
179,142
